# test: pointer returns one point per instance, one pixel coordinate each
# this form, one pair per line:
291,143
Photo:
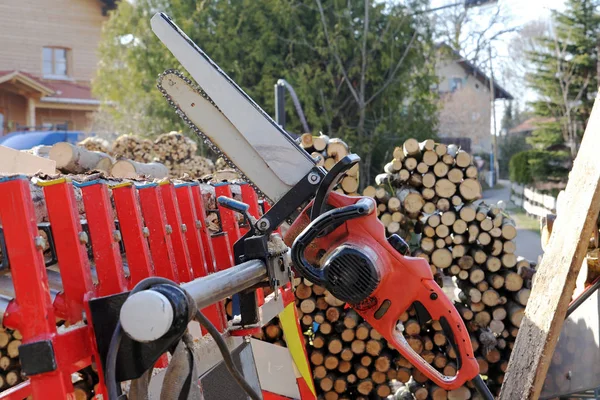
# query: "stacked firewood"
327,152
94,143
10,366
133,147
427,196
171,155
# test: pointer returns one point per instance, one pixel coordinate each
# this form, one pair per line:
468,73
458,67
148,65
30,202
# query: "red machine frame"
162,229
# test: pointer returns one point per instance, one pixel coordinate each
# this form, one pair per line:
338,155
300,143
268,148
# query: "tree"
565,74
362,70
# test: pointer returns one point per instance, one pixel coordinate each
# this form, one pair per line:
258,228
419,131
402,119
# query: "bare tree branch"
335,53
392,75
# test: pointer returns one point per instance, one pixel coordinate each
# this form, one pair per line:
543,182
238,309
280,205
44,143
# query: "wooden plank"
18,162
557,273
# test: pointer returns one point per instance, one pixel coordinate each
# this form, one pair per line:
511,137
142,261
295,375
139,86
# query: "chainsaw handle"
315,228
440,308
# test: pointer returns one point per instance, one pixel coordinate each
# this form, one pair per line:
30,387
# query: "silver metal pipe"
4,301
220,285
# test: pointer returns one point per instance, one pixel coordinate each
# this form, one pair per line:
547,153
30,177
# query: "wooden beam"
557,273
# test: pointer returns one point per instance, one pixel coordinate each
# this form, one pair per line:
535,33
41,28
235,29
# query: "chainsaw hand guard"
359,266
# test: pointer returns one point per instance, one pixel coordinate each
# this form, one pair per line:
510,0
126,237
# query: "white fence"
532,201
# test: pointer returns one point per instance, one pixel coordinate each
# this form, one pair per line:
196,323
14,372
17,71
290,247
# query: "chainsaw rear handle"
323,222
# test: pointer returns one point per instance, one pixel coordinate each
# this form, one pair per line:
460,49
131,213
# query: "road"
528,242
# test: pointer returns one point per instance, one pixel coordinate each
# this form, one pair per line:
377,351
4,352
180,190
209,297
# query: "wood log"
509,260
320,143
490,298
450,369
493,264
411,200
374,347
473,231
303,292
471,172
513,282
476,275
497,248
496,326
462,393
515,313
459,227
443,205
331,362
458,251
418,391
448,218
134,169
325,328
362,331
383,363
306,141
522,296
509,230
441,258
349,184
441,149
74,159
366,360
335,345
416,343
429,180
428,194
466,262
309,305
437,393
509,247
316,357
484,238
412,327
463,159
410,164
478,255
455,175
440,169
358,346
411,148
442,231
444,188
365,386
398,153
422,168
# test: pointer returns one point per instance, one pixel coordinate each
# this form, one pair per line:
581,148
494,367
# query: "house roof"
529,125
476,72
27,80
52,91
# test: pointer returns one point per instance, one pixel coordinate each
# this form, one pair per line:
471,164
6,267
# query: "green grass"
523,220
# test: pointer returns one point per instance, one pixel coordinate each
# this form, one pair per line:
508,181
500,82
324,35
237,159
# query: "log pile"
170,155
10,366
94,143
427,195
327,152
134,148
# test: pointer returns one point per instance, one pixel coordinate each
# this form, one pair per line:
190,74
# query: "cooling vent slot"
350,274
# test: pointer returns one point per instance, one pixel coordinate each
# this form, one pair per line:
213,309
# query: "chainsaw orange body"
402,282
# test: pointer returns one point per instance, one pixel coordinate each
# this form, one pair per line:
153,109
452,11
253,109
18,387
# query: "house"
47,60
465,109
527,127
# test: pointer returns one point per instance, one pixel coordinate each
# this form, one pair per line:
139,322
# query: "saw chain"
162,79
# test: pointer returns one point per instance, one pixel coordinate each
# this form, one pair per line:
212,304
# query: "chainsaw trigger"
423,315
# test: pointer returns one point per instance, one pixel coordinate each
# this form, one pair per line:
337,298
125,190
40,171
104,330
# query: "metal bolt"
169,229
263,224
183,228
314,178
198,224
40,242
83,238
145,231
116,236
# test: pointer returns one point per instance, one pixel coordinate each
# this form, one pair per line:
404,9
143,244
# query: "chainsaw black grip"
312,231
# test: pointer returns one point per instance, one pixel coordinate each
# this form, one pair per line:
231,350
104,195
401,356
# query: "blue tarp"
27,140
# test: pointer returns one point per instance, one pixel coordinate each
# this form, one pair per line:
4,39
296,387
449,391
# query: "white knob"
146,316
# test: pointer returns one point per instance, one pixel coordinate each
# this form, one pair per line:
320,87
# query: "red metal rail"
163,233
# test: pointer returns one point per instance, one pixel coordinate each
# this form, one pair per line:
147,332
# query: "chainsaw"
333,240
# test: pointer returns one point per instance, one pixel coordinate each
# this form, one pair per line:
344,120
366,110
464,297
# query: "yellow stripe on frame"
294,343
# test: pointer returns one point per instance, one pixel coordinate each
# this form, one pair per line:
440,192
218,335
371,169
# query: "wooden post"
557,273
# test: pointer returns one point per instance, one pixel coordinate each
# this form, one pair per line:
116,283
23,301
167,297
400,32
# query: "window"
455,84
55,62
